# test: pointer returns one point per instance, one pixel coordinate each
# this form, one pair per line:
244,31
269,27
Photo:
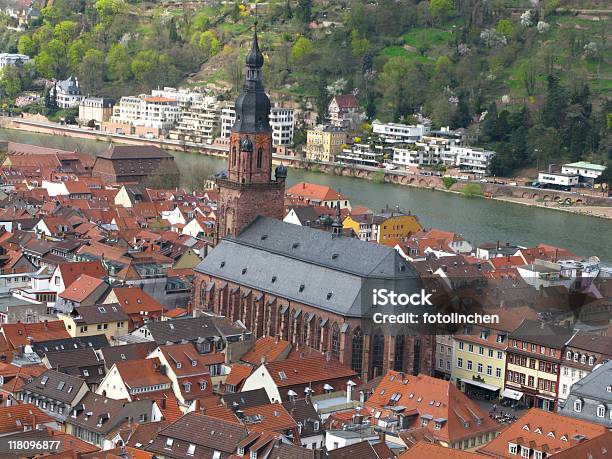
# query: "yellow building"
479,361
383,227
108,319
323,143
394,226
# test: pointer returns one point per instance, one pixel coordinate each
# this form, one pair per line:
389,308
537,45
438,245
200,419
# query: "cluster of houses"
106,346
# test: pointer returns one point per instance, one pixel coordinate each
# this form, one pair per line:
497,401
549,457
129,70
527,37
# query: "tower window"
233,156
259,157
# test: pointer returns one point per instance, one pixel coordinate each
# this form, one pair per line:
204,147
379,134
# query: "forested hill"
540,70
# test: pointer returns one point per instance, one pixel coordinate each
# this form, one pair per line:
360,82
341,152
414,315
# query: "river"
478,220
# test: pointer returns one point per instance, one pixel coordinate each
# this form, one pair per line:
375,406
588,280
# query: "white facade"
362,154
261,379
198,122
583,169
151,112
12,59
394,132
183,96
282,122
68,93
553,178
473,160
568,376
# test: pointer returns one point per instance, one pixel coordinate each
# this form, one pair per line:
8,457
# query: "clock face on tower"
249,190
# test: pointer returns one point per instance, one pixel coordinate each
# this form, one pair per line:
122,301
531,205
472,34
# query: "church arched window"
378,356
398,362
357,351
335,342
233,156
259,157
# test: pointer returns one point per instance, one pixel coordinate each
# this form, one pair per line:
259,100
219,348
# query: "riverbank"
591,211
477,220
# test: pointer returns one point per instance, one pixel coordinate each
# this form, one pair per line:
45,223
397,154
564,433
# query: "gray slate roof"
593,390
337,273
56,345
191,329
51,388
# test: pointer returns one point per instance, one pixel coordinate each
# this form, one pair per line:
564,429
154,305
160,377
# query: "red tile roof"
316,192
544,431
141,373
432,397
430,451
307,370
20,333
81,288
238,374
71,271
135,300
272,349
15,418
346,101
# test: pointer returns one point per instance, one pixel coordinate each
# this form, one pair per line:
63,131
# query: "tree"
301,49
198,176
10,82
462,117
92,70
118,62
402,84
76,52
26,45
441,9
64,31
471,189
322,99
359,44
527,72
304,11
108,9
45,65
173,35
488,127
288,10
209,43
553,111
505,27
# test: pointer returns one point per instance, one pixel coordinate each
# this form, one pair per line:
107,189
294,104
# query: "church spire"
253,105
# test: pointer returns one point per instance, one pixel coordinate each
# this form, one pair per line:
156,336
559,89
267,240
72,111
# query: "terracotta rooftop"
433,399
141,373
316,192
134,300
543,431
307,370
17,417
71,271
81,288
272,349
430,451
20,333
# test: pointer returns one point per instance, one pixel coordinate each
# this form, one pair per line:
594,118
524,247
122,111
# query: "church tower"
248,190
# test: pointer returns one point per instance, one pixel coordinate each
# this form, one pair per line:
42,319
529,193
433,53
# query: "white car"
390,166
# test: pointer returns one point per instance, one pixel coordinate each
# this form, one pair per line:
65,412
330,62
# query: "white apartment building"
160,113
12,59
587,172
471,159
199,122
427,152
559,179
282,122
361,153
228,118
403,133
68,92
183,96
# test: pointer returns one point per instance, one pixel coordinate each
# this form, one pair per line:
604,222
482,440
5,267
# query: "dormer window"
187,387
601,411
169,443
191,449
253,454
578,406
178,365
591,360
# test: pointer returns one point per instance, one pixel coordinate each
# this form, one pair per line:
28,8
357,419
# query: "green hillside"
543,73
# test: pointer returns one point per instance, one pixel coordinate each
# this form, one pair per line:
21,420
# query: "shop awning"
512,394
480,384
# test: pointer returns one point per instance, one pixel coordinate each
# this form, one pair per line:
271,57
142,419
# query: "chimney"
497,246
349,390
263,360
